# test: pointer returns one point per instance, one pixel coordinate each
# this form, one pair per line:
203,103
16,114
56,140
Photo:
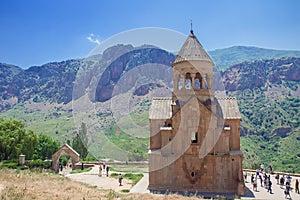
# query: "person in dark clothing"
287,192
120,179
270,187
297,186
252,178
107,169
277,178
281,182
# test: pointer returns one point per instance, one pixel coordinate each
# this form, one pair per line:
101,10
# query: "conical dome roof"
192,50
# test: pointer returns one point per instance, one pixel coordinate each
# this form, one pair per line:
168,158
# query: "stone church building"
195,136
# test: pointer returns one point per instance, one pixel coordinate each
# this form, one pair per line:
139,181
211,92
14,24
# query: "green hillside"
57,122
282,153
270,129
227,57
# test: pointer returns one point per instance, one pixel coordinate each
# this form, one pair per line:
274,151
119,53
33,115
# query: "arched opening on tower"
188,81
198,80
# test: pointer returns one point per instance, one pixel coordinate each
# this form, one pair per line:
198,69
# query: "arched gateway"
64,150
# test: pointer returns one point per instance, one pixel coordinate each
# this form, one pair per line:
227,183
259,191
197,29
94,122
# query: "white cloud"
92,38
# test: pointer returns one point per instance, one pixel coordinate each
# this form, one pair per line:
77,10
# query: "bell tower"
195,136
192,73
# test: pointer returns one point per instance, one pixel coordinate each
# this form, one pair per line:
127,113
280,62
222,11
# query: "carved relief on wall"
193,168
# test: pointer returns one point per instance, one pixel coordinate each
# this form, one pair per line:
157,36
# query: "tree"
80,141
29,143
45,147
15,139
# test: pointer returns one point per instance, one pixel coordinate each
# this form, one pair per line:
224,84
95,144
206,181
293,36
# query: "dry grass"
158,197
35,185
26,184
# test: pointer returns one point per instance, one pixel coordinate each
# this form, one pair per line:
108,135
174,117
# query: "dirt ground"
16,184
102,182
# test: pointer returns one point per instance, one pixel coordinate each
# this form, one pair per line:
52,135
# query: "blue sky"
35,32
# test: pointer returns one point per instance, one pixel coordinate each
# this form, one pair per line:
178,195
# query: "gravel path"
261,193
142,185
102,182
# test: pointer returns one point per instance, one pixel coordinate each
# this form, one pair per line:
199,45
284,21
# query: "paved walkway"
102,182
141,186
261,193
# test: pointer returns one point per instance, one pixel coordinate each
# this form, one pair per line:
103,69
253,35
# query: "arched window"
198,80
188,81
188,84
197,84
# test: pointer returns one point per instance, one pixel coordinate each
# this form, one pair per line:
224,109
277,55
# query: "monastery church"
194,135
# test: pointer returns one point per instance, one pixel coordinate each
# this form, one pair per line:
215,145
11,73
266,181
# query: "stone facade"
194,136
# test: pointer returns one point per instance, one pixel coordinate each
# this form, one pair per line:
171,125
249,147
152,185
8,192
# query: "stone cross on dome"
192,32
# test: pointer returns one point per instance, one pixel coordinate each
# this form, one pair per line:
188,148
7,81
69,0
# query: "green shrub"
36,163
13,164
114,175
134,178
47,164
90,157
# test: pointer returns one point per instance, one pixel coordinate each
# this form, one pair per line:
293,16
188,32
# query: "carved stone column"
202,82
193,80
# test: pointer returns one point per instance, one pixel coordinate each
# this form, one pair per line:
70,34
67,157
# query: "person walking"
255,185
252,178
277,178
245,176
270,169
287,189
287,192
100,171
120,179
270,186
281,182
257,172
107,170
266,181
297,186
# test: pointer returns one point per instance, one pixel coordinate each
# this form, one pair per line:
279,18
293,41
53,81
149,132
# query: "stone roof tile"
230,108
161,108
192,50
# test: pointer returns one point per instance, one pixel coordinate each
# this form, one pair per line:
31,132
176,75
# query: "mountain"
55,81
51,97
227,57
250,75
7,74
127,62
268,93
